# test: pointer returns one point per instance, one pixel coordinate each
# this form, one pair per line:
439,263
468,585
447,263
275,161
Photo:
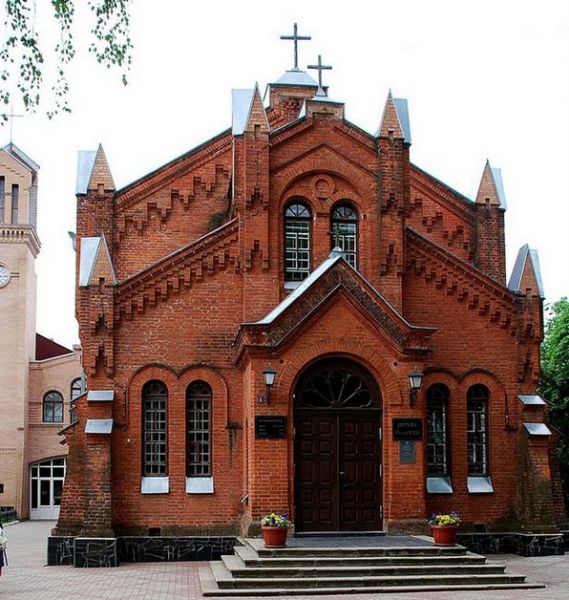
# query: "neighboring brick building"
201,278
37,375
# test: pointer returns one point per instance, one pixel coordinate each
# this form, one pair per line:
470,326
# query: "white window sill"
155,485
292,285
199,485
439,485
480,485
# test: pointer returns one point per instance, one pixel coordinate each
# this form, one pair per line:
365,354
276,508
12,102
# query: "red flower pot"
445,536
275,537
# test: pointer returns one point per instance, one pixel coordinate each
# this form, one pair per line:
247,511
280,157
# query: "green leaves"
554,385
22,56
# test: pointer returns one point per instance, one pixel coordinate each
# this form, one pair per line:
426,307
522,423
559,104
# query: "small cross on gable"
320,67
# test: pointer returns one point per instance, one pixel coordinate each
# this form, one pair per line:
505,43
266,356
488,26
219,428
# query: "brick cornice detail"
457,204
407,338
181,269
158,179
454,276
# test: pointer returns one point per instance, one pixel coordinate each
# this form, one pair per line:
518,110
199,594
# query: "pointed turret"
93,172
526,274
390,123
393,144
95,262
101,178
248,111
491,190
490,210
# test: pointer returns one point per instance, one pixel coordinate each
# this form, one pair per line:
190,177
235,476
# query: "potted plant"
275,530
445,528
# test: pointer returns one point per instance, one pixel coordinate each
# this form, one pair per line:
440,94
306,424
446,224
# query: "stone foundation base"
524,544
110,552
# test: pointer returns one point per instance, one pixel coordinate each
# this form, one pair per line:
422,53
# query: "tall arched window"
154,429
52,409
477,428
437,431
198,429
345,232
297,242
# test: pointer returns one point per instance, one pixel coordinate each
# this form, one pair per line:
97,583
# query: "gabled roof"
332,277
527,264
20,155
47,348
301,289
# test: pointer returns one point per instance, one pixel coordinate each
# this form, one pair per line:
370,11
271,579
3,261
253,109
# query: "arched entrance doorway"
337,448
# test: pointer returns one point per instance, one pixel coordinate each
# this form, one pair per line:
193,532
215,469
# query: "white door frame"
46,485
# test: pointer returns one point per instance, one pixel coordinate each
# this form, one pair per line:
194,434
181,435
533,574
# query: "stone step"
340,569
210,587
296,551
338,534
251,558
225,580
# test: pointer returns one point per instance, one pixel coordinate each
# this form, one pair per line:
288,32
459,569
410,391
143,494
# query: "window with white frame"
297,242
477,429
345,232
437,431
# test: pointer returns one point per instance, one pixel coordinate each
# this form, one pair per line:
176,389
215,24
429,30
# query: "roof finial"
320,67
295,38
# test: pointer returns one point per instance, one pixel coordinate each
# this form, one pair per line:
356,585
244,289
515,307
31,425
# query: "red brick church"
295,317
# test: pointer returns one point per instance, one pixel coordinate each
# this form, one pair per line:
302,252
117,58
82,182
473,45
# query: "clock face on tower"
4,276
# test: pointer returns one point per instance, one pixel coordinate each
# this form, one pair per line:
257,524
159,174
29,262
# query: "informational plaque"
270,427
407,452
407,429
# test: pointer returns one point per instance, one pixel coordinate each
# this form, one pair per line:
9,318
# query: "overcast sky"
484,79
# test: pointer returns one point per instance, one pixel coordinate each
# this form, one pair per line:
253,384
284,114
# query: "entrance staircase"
348,565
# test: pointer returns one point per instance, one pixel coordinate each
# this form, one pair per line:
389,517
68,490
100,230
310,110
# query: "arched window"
345,232
437,431
76,388
198,430
477,428
297,242
52,407
154,429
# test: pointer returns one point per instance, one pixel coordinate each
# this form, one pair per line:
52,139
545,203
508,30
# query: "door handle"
342,473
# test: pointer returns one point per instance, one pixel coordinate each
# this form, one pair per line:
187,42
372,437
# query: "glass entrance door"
46,485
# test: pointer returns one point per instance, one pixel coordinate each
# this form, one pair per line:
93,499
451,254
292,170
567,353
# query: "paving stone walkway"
27,577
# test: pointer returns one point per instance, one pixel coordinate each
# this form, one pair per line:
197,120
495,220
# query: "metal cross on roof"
320,67
295,38
11,115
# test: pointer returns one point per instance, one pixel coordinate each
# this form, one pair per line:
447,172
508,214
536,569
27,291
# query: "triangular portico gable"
334,278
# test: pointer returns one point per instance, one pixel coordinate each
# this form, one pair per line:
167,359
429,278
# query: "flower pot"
275,537
445,536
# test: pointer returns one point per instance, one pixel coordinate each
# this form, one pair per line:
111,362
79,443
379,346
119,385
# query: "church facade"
294,317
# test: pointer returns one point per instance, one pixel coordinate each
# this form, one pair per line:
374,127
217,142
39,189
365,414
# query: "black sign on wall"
407,429
270,427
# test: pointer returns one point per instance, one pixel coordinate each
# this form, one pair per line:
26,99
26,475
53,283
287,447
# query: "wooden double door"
337,451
